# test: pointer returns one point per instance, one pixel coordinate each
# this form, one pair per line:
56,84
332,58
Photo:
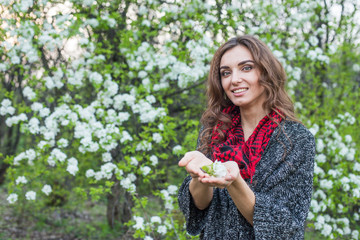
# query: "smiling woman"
250,127
240,79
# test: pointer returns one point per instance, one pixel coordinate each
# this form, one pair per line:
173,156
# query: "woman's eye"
247,68
225,73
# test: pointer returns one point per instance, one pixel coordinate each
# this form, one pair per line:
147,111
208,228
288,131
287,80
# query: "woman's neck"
250,118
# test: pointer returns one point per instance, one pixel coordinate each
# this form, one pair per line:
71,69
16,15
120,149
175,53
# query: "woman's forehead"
236,55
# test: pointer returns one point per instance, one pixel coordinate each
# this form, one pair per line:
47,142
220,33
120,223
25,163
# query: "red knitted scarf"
234,148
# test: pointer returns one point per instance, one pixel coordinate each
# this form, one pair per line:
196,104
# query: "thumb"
229,177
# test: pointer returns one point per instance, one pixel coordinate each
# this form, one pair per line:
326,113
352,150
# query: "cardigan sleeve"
282,202
195,218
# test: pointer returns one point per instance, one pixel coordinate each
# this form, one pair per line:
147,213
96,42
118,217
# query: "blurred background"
100,99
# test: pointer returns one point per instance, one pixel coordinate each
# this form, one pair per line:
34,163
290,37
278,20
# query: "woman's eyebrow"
239,64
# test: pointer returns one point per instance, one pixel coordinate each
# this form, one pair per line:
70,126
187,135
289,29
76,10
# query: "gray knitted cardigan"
282,188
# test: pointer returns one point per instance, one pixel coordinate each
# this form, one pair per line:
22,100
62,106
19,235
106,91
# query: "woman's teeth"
240,90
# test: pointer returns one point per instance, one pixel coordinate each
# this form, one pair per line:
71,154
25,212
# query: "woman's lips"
239,91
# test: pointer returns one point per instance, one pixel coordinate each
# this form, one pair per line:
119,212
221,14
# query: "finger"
186,159
196,171
214,180
222,184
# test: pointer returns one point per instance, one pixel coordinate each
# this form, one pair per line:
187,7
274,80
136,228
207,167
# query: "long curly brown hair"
272,78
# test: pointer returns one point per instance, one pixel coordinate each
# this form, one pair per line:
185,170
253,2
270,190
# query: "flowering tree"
99,99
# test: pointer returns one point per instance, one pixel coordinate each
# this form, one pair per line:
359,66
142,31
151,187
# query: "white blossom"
125,183
314,129
356,67
315,206
344,151
21,179
155,219
46,189
144,146
340,208
15,59
6,107
355,234
320,221
30,195
326,230
154,160
162,229
172,189
134,161
157,137
333,173
128,185
327,184
56,154
219,169
44,112
125,136
348,138
107,169
33,125
92,22
3,67
106,157
310,216
96,78
62,143
296,73
72,169
90,173
151,99
177,149
12,198
29,93
350,155
87,3
356,167
145,170
25,5
132,177
321,158
347,230
98,175
313,40
320,145
142,10
16,119
355,192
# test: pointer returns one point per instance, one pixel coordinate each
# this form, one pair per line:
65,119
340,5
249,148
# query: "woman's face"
240,78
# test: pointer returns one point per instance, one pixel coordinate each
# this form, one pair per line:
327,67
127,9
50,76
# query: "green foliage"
101,99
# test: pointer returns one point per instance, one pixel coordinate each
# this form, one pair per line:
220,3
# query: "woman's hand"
193,161
233,173
201,193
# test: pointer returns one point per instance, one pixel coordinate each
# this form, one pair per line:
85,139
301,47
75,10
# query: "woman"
250,126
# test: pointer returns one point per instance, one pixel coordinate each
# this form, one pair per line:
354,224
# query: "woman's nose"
236,77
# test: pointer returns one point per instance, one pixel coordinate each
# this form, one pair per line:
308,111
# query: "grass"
311,235
72,222
86,221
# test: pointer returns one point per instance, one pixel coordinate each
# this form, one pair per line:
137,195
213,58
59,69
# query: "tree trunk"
119,204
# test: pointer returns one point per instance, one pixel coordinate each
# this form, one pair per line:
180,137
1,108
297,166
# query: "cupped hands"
193,161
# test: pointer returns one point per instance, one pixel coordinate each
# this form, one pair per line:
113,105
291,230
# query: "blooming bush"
100,99
336,171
